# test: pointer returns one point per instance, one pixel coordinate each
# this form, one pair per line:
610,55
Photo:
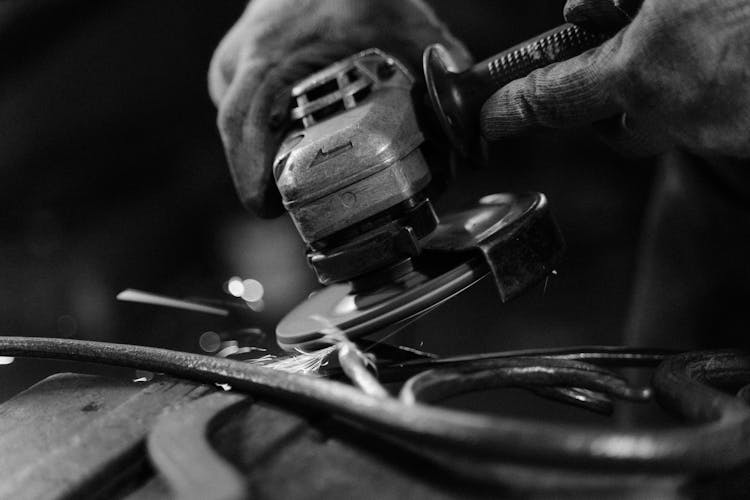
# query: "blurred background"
112,176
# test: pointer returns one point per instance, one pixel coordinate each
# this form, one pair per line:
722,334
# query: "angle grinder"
353,178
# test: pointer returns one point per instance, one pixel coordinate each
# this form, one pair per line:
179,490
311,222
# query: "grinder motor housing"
350,172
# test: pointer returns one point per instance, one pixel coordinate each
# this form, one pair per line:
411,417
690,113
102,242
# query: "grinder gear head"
350,173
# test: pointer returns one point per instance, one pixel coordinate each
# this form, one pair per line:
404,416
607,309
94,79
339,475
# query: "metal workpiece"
355,151
716,439
180,449
435,385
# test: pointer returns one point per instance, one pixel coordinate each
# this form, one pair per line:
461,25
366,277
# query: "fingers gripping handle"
556,45
457,96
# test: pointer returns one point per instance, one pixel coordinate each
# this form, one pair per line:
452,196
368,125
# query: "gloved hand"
680,73
278,42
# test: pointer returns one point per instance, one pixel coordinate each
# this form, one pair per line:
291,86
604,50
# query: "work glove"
678,75
277,43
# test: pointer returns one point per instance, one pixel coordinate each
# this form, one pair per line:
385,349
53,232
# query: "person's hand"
677,76
278,42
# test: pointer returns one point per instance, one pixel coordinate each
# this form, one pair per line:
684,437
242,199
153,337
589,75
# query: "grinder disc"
361,313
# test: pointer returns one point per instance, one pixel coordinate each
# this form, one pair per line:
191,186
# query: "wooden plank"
71,435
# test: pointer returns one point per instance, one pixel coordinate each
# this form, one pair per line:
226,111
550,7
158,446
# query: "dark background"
112,176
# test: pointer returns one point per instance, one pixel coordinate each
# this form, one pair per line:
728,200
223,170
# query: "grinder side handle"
457,96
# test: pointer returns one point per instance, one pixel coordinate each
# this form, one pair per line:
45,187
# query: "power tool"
353,178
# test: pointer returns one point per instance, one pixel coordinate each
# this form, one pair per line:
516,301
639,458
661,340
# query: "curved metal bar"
681,383
180,451
433,385
613,356
354,364
721,443
576,396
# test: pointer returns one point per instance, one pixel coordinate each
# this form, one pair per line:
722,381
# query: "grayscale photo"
376,249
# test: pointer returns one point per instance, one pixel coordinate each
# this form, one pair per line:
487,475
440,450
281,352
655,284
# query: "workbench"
86,436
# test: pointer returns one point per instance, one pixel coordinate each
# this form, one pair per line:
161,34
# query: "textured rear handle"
559,44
